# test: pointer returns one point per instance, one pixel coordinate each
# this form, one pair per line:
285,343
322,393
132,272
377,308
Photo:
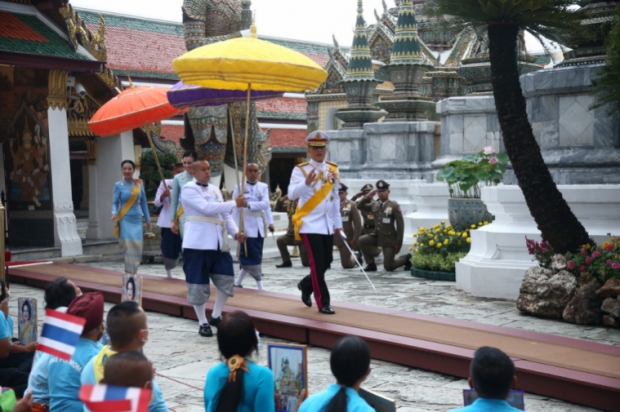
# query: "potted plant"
465,178
437,249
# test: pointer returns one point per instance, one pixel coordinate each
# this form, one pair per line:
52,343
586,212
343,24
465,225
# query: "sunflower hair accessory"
235,363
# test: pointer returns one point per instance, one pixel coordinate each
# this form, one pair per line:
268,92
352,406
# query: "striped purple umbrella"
182,95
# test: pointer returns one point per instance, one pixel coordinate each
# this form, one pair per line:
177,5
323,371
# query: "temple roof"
406,48
360,63
26,39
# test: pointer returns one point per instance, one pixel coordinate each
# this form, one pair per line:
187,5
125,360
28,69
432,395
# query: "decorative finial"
360,7
253,34
335,41
377,16
385,7
131,85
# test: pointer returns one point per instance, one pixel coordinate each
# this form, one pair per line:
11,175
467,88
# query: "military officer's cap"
343,188
317,139
382,185
366,188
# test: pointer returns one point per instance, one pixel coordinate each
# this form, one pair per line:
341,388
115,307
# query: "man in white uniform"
170,242
255,225
317,219
205,244
177,217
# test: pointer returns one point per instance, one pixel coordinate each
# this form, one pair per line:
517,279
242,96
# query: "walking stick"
344,239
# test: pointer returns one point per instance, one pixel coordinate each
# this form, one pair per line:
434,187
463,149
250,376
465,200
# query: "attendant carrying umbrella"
248,64
133,108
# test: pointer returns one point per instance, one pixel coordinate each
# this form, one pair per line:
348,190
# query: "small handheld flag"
100,398
60,334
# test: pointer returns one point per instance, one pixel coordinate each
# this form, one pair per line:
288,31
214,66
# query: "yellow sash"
180,212
132,199
100,361
313,202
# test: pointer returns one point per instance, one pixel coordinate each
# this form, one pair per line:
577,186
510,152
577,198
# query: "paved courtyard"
182,357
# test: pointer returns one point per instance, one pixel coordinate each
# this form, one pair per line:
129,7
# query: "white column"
111,151
65,228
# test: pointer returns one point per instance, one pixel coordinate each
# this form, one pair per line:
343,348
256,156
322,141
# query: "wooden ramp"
582,372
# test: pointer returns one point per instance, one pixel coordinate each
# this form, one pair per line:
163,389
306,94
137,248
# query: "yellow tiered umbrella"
249,64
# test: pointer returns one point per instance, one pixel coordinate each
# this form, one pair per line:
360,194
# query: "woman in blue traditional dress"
128,207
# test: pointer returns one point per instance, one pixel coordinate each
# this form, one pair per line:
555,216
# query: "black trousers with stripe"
320,256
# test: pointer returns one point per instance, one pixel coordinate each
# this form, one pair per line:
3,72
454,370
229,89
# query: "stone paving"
182,357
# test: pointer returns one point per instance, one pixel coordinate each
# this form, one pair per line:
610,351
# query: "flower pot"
430,274
466,212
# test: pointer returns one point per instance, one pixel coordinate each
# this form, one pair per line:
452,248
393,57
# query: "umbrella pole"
245,155
161,172
232,135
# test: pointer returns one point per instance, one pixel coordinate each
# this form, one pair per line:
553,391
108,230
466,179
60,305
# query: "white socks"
220,301
259,283
169,273
239,279
200,312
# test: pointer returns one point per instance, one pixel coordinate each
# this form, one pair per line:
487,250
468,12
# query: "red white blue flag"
60,334
100,398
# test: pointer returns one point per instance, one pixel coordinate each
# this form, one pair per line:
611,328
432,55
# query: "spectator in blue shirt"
350,365
492,374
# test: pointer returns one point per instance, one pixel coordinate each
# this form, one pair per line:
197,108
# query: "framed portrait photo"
27,320
289,364
515,398
377,401
132,288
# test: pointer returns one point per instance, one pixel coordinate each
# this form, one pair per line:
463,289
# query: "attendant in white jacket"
255,225
205,244
170,242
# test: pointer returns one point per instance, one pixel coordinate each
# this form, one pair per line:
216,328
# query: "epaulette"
332,163
303,164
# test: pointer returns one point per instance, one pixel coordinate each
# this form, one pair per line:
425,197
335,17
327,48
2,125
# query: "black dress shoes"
359,257
371,267
215,321
205,330
305,297
408,263
327,310
286,264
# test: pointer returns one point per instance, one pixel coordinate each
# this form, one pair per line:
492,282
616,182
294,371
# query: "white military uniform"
170,242
255,228
164,215
326,216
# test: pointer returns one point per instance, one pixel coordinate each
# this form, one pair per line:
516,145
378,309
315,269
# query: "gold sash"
100,360
313,202
132,199
180,211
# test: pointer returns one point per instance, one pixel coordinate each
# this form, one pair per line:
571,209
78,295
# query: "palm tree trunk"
554,218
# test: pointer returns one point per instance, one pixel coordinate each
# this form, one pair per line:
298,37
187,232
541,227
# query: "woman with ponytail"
238,384
350,365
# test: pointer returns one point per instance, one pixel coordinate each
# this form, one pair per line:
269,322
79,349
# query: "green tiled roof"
154,75
280,115
55,47
291,149
134,23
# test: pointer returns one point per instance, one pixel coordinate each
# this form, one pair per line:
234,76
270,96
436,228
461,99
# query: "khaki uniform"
288,239
369,219
388,234
352,227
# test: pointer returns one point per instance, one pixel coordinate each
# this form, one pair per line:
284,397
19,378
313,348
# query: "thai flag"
100,398
60,334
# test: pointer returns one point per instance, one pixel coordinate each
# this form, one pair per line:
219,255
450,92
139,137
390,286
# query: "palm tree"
608,82
504,20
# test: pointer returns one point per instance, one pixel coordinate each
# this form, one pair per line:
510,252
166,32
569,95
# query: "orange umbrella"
131,109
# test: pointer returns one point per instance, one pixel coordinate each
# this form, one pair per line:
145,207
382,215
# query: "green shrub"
437,262
149,172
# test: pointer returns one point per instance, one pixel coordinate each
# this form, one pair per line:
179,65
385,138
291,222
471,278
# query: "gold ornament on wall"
79,35
57,84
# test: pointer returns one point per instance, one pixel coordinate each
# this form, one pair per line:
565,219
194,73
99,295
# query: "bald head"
252,172
128,369
201,171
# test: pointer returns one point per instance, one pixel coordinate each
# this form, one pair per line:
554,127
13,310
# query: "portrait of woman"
27,321
132,289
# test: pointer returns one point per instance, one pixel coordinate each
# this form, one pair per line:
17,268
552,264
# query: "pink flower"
609,262
571,264
488,150
582,268
493,160
583,252
610,248
588,260
603,274
615,266
596,254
